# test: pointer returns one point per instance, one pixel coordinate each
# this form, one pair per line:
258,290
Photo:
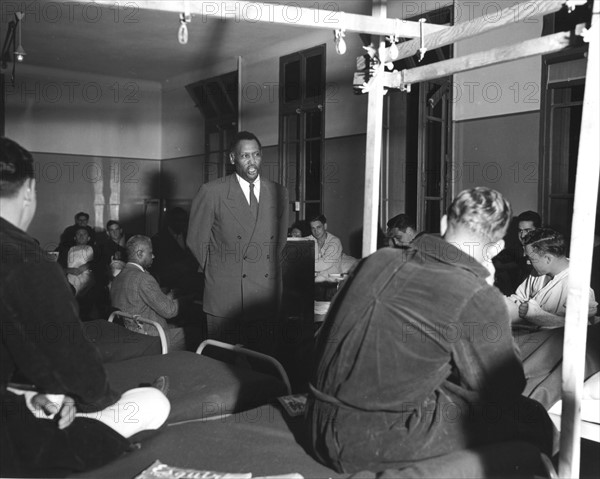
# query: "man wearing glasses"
237,231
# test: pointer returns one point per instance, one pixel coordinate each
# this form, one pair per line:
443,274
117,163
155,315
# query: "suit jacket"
137,292
240,257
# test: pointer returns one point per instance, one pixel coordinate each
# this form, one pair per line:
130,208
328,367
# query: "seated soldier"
113,254
512,265
135,291
415,358
299,229
538,309
80,258
540,302
401,230
63,415
329,257
67,238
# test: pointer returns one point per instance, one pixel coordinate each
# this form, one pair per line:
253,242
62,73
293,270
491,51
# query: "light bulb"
340,43
20,53
340,46
182,34
394,51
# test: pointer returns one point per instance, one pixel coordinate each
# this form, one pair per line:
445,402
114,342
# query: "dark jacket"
239,256
414,342
43,341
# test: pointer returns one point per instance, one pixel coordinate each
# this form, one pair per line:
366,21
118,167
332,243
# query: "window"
217,98
564,79
415,176
301,130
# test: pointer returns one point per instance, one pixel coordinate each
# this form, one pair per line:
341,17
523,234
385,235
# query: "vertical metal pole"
586,194
239,94
373,150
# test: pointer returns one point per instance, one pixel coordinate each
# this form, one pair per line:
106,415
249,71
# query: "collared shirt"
137,265
246,187
547,297
328,257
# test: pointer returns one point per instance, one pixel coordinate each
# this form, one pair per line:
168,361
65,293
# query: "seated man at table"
62,416
538,309
401,230
329,257
416,358
540,302
512,265
135,291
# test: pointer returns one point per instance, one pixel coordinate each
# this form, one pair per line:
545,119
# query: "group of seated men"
415,359
93,262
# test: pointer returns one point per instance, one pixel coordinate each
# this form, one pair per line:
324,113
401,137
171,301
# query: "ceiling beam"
538,46
291,15
519,13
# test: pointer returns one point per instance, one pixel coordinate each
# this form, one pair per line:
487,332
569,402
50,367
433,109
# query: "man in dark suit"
237,231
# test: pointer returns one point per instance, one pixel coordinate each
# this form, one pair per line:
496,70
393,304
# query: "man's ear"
325,226
232,158
29,193
444,225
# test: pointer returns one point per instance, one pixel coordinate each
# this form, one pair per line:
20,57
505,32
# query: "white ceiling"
141,44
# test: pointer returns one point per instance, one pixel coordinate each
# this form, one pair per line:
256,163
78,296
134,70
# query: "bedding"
199,386
265,441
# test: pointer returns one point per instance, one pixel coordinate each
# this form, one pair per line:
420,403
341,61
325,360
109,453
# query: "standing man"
237,232
416,357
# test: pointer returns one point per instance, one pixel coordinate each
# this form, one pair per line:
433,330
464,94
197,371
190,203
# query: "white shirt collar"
246,187
137,265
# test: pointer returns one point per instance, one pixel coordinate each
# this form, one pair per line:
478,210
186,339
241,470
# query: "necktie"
253,202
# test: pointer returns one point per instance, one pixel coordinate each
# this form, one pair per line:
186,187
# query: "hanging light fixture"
340,43
394,39
182,34
20,51
184,19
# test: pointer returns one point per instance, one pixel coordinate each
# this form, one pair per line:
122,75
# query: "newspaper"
159,470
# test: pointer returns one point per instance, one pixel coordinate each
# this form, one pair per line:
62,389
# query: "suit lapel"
239,207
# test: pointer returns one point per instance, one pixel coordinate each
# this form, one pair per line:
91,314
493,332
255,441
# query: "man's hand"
66,411
523,308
